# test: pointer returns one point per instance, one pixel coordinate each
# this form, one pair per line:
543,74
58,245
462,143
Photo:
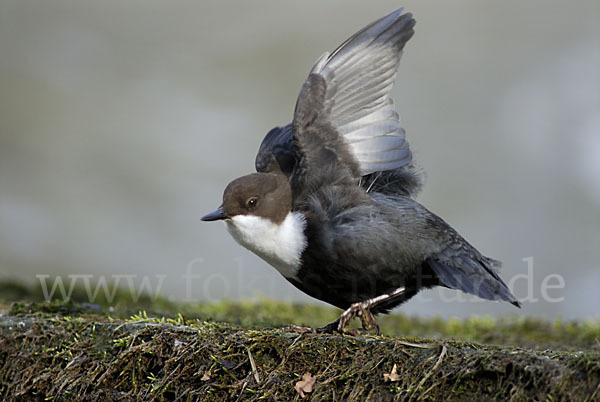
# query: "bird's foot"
360,310
363,310
339,325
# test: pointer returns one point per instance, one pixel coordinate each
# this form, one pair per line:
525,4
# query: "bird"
332,205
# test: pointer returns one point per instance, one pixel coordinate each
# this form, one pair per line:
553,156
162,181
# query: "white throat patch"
279,245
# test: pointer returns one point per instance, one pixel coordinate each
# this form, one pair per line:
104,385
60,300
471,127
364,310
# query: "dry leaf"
393,376
305,385
206,376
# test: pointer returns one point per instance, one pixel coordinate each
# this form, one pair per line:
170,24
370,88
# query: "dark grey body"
363,244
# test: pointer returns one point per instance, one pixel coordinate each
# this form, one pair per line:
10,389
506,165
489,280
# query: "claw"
367,320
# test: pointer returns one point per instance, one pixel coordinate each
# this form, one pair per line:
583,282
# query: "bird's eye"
251,203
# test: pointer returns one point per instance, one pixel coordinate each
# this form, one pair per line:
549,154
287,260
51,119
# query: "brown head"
267,195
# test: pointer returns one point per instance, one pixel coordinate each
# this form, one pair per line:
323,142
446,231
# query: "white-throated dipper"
331,207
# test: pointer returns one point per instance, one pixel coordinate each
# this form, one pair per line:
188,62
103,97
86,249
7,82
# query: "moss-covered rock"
241,351
71,352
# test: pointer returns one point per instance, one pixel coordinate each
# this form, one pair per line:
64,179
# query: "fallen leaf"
393,376
206,376
305,385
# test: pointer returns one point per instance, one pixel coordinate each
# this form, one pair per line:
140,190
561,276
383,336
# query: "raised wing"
345,122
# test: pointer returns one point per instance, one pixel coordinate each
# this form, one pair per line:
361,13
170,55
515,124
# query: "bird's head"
265,195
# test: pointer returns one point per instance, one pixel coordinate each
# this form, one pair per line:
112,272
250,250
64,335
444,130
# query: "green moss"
99,357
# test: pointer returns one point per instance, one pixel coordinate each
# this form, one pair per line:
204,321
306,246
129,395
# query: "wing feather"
345,105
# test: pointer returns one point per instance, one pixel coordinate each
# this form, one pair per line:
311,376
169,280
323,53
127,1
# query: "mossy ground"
239,351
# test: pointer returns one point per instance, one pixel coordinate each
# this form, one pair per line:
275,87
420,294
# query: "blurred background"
122,122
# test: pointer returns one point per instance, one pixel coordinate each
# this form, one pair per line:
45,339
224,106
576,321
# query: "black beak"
215,216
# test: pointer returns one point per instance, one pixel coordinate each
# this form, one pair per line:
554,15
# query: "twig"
415,345
254,370
296,340
430,372
334,378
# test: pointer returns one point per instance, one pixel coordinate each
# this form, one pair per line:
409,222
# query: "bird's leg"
362,310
